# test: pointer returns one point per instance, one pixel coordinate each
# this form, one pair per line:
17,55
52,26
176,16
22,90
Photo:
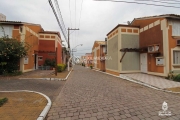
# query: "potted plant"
91,66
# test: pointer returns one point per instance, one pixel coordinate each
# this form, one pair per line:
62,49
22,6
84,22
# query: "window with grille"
176,57
40,58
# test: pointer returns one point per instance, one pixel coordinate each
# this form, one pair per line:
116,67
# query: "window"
40,58
176,57
21,29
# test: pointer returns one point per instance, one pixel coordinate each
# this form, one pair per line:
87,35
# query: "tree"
11,50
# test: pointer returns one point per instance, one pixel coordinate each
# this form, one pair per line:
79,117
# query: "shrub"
61,67
11,50
2,101
50,62
91,66
13,73
177,78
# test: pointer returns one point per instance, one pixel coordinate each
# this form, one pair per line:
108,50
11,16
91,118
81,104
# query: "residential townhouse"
24,32
122,36
49,41
98,55
42,43
149,45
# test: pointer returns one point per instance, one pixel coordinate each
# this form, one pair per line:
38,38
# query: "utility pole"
69,35
69,45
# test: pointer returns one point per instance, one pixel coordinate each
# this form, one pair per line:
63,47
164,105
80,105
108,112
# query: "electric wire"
70,13
50,2
158,1
80,18
138,3
80,14
60,16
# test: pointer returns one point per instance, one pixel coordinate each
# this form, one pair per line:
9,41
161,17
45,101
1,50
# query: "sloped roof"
174,16
121,25
16,23
51,32
101,42
10,22
161,16
98,42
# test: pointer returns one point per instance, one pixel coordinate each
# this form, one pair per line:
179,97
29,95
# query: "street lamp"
74,48
72,54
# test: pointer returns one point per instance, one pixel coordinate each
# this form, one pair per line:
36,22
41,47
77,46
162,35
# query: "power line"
50,2
75,13
80,14
80,17
70,13
159,1
171,0
85,49
138,3
60,15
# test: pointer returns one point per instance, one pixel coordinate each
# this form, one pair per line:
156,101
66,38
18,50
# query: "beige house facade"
148,45
122,36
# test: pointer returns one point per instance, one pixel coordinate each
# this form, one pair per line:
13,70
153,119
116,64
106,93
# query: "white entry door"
143,60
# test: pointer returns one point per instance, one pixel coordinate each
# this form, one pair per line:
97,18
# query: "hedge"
61,67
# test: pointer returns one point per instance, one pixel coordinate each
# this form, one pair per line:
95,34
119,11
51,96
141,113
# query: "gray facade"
112,52
131,60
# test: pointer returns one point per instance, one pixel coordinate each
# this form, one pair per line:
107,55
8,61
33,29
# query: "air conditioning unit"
150,48
178,42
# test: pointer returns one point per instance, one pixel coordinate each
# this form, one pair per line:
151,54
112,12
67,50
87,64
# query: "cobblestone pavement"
49,88
90,95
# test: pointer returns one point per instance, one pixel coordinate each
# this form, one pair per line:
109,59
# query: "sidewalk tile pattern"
153,80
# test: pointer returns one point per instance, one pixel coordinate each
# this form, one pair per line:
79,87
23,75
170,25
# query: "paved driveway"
92,95
49,88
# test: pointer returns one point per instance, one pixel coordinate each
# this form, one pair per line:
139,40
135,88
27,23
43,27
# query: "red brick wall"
46,45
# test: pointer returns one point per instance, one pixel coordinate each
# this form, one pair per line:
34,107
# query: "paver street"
92,95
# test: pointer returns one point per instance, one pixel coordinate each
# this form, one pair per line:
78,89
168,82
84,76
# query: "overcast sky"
96,20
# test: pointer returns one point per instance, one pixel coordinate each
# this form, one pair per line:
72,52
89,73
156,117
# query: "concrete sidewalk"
155,81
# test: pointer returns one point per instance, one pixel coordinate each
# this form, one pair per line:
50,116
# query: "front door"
35,61
143,60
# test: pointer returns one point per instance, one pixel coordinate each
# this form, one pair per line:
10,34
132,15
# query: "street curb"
138,82
50,79
47,107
